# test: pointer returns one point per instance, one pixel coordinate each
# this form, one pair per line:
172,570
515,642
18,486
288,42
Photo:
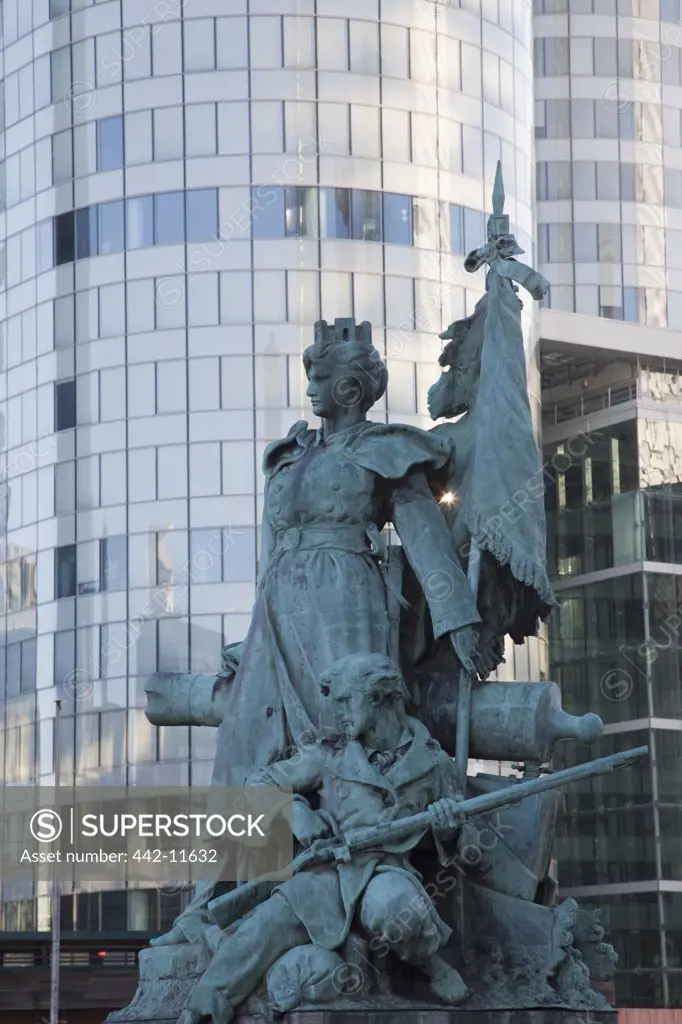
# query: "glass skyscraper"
608,147
186,188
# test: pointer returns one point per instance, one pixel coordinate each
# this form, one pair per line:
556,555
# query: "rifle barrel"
402,828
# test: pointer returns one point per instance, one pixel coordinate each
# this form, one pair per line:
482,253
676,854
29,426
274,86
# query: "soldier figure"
381,766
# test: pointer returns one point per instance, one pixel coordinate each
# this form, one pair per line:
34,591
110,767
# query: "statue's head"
344,369
361,687
455,391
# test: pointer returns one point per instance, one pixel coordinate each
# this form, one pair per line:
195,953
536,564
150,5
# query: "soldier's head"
362,687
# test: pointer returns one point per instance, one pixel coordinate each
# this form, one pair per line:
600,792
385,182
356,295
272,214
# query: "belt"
357,540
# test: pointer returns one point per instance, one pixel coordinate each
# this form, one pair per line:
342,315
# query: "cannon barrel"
509,721
176,699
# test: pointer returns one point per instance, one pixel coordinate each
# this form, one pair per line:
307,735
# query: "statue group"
363,686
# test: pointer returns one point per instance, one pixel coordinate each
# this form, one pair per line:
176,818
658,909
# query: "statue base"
414,1015
167,976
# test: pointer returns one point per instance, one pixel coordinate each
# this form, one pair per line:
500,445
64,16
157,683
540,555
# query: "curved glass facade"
187,188
609,173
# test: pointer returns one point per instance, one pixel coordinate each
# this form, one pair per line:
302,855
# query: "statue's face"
354,711
321,390
333,387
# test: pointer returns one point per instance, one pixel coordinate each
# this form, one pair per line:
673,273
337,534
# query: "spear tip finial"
498,192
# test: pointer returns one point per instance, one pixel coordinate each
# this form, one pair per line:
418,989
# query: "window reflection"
366,215
335,208
300,210
86,233
113,563
140,222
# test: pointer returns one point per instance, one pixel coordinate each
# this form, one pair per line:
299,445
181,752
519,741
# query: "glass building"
614,503
186,188
608,150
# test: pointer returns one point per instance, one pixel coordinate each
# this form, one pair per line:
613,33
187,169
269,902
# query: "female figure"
323,590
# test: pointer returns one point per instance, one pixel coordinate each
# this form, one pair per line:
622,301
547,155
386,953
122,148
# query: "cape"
391,450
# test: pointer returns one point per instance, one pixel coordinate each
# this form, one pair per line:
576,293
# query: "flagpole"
56,902
465,686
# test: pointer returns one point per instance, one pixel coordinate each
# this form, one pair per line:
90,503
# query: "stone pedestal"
167,976
425,1016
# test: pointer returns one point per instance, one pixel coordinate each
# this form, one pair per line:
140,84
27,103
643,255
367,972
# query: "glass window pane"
14,585
111,228
582,118
626,122
45,245
558,119
584,180
631,305
556,56
364,47
64,655
239,555
65,405
199,44
560,243
456,228
169,218
86,232
605,57
28,582
65,571
64,238
110,143
28,665
268,212
585,243
609,243
140,222
202,214
13,672
113,563
627,182
206,556
366,215
397,219
558,180
335,212
301,212
608,184
474,229
673,187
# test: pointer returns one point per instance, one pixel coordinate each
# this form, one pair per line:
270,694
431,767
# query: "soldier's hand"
444,816
464,642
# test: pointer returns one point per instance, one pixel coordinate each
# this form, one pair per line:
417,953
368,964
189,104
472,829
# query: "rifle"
233,905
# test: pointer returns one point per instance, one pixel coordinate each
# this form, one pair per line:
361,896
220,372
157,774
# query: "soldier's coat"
357,795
